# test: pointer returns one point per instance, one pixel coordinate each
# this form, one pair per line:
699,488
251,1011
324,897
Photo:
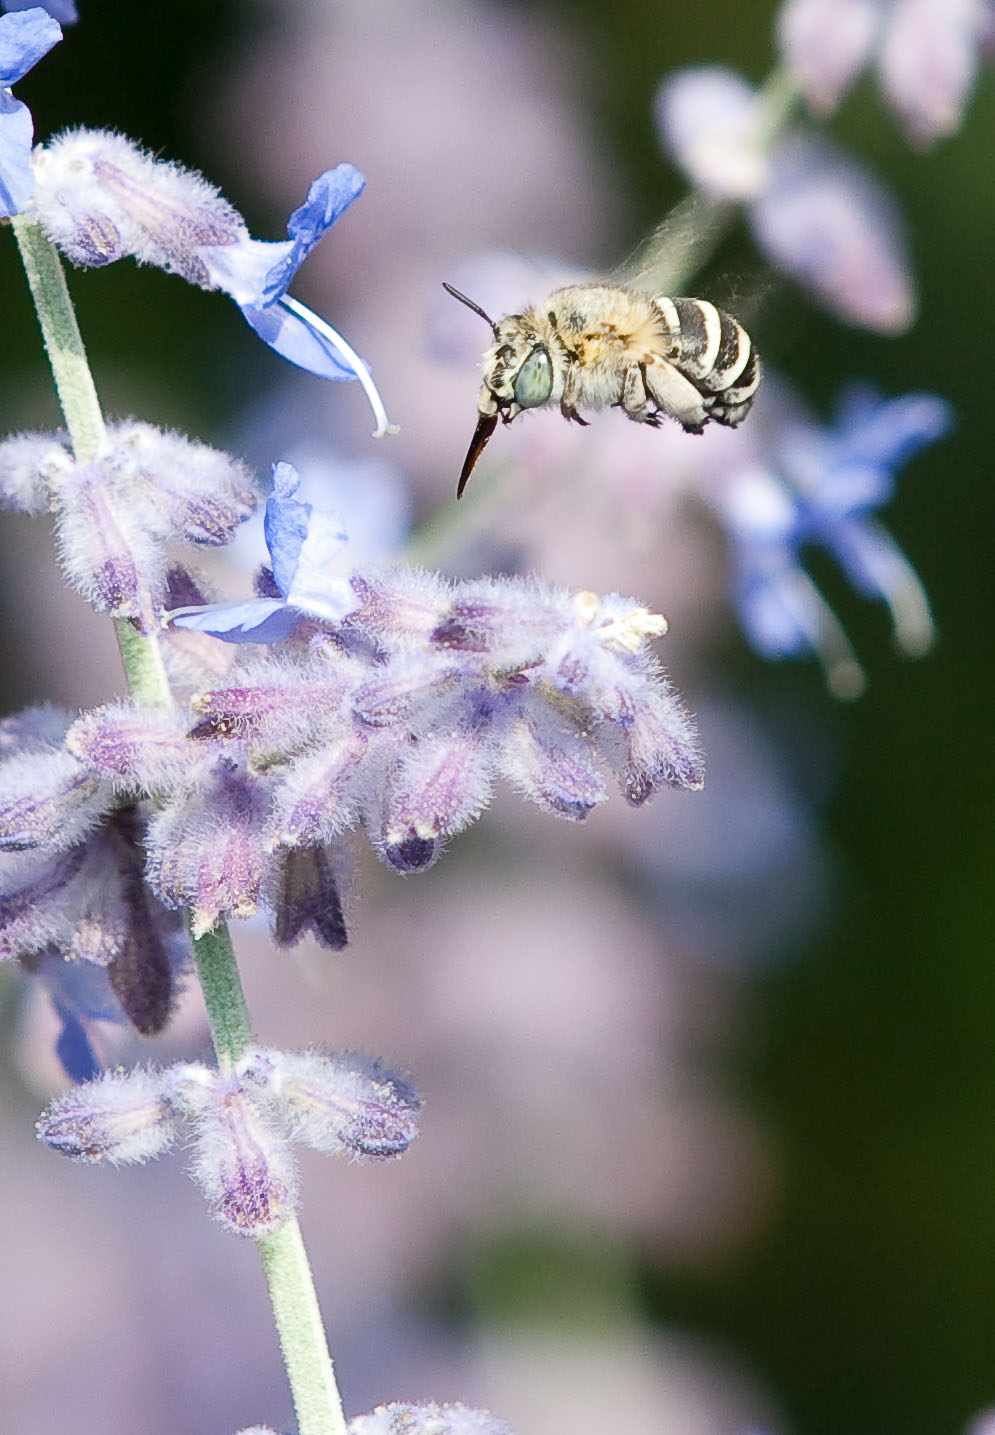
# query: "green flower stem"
63,341
288,1274
302,1333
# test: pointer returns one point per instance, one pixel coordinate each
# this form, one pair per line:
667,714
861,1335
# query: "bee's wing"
486,425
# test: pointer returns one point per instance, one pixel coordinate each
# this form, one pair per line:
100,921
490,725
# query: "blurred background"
710,1135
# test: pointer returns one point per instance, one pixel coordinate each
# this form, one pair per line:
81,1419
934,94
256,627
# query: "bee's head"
518,374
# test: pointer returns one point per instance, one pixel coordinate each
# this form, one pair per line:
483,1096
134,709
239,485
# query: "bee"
595,345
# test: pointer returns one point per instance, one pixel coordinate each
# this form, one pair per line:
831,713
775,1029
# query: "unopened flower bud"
347,1104
120,1117
243,1165
401,1418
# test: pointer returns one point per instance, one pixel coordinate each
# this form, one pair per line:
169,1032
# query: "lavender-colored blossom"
346,1104
121,1117
99,197
302,543
816,213
926,54
401,1418
796,484
114,514
826,221
242,1161
25,36
241,1123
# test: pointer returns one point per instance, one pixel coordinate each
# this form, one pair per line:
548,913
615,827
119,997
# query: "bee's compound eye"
534,380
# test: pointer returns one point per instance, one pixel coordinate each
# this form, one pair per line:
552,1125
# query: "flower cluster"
116,513
242,1123
400,718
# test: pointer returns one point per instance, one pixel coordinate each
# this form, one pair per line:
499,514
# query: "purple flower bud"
400,609
512,621
106,554
139,748
347,1104
29,465
318,797
48,800
99,196
185,492
243,1165
401,1418
209,851
121,1117
276,704
712,123
436,786
552,764
304,897
656,747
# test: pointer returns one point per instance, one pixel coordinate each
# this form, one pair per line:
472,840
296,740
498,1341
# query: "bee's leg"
674,395
634,402
571,391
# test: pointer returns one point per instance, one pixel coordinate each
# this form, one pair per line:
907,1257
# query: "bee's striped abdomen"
715,352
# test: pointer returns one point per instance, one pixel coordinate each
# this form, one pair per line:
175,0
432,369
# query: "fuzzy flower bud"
401,1418
121,1117
346,1104
242,1163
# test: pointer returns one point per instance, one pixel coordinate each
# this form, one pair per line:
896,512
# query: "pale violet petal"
828,223
315,590
928,62
711,123
826,44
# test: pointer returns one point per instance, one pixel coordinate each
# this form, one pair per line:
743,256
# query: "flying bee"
595,345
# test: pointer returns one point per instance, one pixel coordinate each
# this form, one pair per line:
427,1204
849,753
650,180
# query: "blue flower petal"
285,525
25,36
74,1049
17,178
254,620
329,197
295,338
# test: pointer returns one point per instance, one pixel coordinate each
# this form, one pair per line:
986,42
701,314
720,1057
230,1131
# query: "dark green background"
869,1304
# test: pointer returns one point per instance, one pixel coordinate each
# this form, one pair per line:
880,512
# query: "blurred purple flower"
817,214
302,542
26,35
99,197
926,54
801,484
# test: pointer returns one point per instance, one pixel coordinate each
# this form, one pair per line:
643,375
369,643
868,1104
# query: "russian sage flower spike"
99,196
401,1418
25,36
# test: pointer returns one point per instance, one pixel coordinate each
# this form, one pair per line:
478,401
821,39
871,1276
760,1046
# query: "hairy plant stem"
285,1263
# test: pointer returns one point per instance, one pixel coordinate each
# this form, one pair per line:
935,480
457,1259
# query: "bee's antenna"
470,305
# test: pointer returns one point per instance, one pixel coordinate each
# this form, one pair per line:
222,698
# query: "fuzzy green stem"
63,341
288,1274
302,1333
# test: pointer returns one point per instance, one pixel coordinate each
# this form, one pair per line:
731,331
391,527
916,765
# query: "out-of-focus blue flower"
818,214
62,10
25,36
99,197
925,53
801,484
302,542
